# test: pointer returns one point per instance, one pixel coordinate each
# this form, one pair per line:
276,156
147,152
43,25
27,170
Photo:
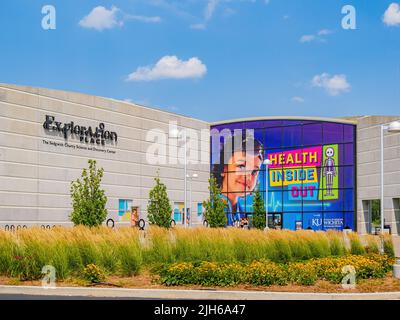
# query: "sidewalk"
189,294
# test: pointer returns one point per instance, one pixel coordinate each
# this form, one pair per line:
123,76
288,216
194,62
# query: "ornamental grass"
127,251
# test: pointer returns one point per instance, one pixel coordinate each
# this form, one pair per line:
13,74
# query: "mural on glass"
311,176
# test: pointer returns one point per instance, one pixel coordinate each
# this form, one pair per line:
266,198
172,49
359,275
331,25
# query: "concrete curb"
189,294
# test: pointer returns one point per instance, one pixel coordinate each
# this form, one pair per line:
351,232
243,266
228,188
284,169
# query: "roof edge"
36,91
336,120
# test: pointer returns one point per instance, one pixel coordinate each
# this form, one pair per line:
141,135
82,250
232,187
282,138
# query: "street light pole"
393,127
191,177
176,133
185,172
383,128
267,162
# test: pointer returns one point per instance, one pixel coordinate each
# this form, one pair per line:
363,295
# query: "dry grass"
128,251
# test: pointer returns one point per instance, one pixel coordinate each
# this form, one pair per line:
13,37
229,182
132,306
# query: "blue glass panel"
333,133
292,136
349,220
348,200
348,154
349,133
333,221
273,138
312,134
291,205
333,205
348,177
290,220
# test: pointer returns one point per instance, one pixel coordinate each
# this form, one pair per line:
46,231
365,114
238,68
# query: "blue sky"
211,59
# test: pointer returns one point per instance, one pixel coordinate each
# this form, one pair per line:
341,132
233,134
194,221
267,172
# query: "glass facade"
311,172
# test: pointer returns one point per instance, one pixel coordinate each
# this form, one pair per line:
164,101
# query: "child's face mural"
242,172
329,152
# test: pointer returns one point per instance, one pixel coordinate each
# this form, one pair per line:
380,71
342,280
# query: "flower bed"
267,273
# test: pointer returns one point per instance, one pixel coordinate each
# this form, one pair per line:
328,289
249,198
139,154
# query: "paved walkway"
188,294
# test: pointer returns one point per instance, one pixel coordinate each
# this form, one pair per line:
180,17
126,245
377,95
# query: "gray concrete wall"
369,171
35,177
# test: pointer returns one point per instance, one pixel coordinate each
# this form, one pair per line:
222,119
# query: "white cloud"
298,99
319,36
334,85
198,26
210,9
392,15
170,67
324,32
144,18
100,18
307,38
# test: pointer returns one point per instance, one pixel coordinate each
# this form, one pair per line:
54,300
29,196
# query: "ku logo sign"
85,134
316,222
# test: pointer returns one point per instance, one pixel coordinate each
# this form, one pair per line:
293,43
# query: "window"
124,210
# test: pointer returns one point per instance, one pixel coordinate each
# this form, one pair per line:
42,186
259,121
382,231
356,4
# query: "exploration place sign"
90,138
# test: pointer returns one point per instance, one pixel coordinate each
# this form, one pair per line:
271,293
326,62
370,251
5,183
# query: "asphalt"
68,293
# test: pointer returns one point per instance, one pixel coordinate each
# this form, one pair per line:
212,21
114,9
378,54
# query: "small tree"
159,209
259,220
215,206
88,199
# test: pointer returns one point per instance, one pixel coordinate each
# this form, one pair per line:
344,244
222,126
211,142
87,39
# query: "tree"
215,206
259,220
88,199
376,212
159,209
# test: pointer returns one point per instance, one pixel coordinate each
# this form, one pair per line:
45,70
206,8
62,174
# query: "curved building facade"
305,167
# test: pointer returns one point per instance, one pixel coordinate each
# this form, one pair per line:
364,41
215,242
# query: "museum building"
313,173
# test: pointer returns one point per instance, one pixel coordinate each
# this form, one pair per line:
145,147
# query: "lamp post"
266,162
191,177
393,127
177,133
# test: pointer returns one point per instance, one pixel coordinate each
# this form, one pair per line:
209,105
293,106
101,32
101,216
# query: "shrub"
259,218
93,274
159,209
88,199
215,206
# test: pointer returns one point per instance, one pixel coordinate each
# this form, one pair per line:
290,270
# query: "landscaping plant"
159,209
88,199
215,206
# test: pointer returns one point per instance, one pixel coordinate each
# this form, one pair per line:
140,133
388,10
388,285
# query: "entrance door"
275,220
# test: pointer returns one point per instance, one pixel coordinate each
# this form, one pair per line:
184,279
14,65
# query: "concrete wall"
35,177
369,171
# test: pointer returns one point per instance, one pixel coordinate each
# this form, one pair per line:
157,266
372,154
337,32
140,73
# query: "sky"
211,59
